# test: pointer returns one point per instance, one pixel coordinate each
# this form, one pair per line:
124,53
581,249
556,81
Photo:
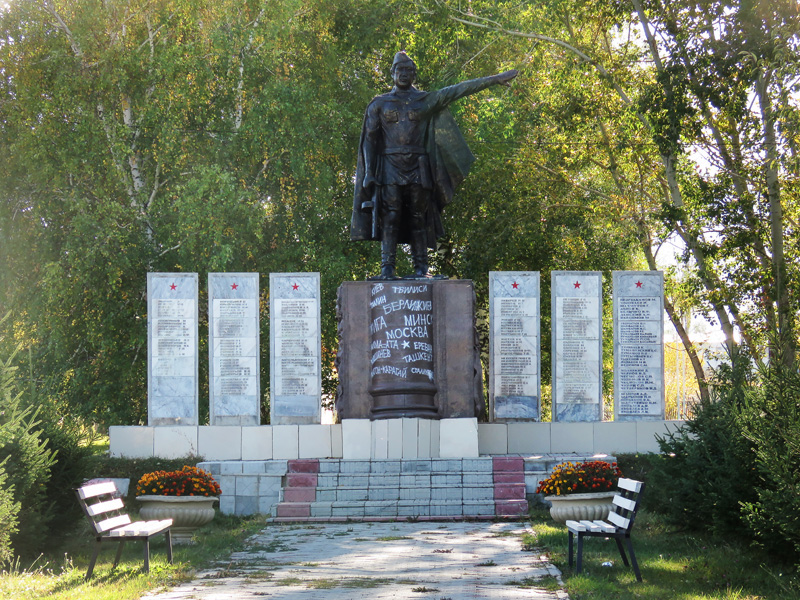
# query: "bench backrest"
102,509
626,503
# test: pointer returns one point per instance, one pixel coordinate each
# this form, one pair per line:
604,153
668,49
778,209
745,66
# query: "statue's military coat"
432,135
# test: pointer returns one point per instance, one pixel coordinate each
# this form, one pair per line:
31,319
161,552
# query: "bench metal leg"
580,553
571,535
119,553
633,560
168,535
147,555
622,551
95,552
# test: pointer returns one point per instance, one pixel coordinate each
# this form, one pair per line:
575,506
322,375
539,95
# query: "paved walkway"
346,561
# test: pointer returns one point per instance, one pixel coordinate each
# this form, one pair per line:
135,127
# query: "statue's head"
404,71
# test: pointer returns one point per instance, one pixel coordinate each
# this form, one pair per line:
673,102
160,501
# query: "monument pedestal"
456,355
401,341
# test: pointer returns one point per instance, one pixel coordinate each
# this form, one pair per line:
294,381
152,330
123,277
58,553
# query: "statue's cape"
450,160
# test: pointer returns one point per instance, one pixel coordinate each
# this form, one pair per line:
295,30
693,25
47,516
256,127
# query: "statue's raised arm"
506,77
410,159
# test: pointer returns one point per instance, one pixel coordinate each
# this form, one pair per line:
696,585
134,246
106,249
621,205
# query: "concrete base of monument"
251,463
392,438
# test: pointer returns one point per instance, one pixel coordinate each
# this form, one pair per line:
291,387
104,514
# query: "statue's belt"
405,150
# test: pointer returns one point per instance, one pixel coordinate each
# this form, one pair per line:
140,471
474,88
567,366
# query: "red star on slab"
234,286
515,285
173,287
577,285
638,284
295,287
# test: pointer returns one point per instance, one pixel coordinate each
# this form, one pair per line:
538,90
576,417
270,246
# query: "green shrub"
708,467
770,420
71,444
9,511
27,462
642,467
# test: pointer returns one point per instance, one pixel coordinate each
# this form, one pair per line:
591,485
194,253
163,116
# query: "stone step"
255,486
402,509
369,481
451,488
421,518
429,465
418,493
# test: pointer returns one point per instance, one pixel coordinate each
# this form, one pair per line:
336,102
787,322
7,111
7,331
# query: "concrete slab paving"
348,561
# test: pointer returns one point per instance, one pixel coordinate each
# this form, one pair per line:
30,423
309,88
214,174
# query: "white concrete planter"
187,513
581,507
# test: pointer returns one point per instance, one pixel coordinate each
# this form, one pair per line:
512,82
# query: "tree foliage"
702,145
737,217
177,136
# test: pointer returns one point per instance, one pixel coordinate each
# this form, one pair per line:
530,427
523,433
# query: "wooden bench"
110,523
618,526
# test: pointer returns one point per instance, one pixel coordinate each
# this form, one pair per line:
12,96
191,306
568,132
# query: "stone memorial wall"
172,375
577,345
514,375
233,349
295,348
638,345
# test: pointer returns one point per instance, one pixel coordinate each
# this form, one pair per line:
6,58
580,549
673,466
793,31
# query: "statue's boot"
388,252
419,252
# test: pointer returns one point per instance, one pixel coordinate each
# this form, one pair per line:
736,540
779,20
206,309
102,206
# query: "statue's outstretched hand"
506,77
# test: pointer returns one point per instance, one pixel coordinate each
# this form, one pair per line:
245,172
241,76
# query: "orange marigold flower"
188,481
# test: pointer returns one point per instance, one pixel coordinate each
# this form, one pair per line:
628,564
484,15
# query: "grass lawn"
675,565
60,574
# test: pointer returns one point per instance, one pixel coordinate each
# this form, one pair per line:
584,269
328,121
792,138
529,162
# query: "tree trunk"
786,338
674,317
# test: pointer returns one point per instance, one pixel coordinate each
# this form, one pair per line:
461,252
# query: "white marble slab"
234,349
295,348
172,355
514,346
577,345
638,345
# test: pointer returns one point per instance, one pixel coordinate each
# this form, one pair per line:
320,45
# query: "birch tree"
718,85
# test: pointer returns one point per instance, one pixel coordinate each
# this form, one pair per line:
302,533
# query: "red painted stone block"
509,477
294,510
301,480
299,494
510,508
509,491
508,463
310,465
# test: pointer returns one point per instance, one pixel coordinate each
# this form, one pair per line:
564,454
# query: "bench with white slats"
618,526
110,523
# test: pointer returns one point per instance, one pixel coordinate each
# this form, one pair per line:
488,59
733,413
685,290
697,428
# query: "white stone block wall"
358,439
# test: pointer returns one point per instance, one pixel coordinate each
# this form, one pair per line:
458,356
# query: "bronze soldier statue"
410,159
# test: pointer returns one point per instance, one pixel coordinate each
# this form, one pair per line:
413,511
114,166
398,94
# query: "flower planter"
187,513
581,507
